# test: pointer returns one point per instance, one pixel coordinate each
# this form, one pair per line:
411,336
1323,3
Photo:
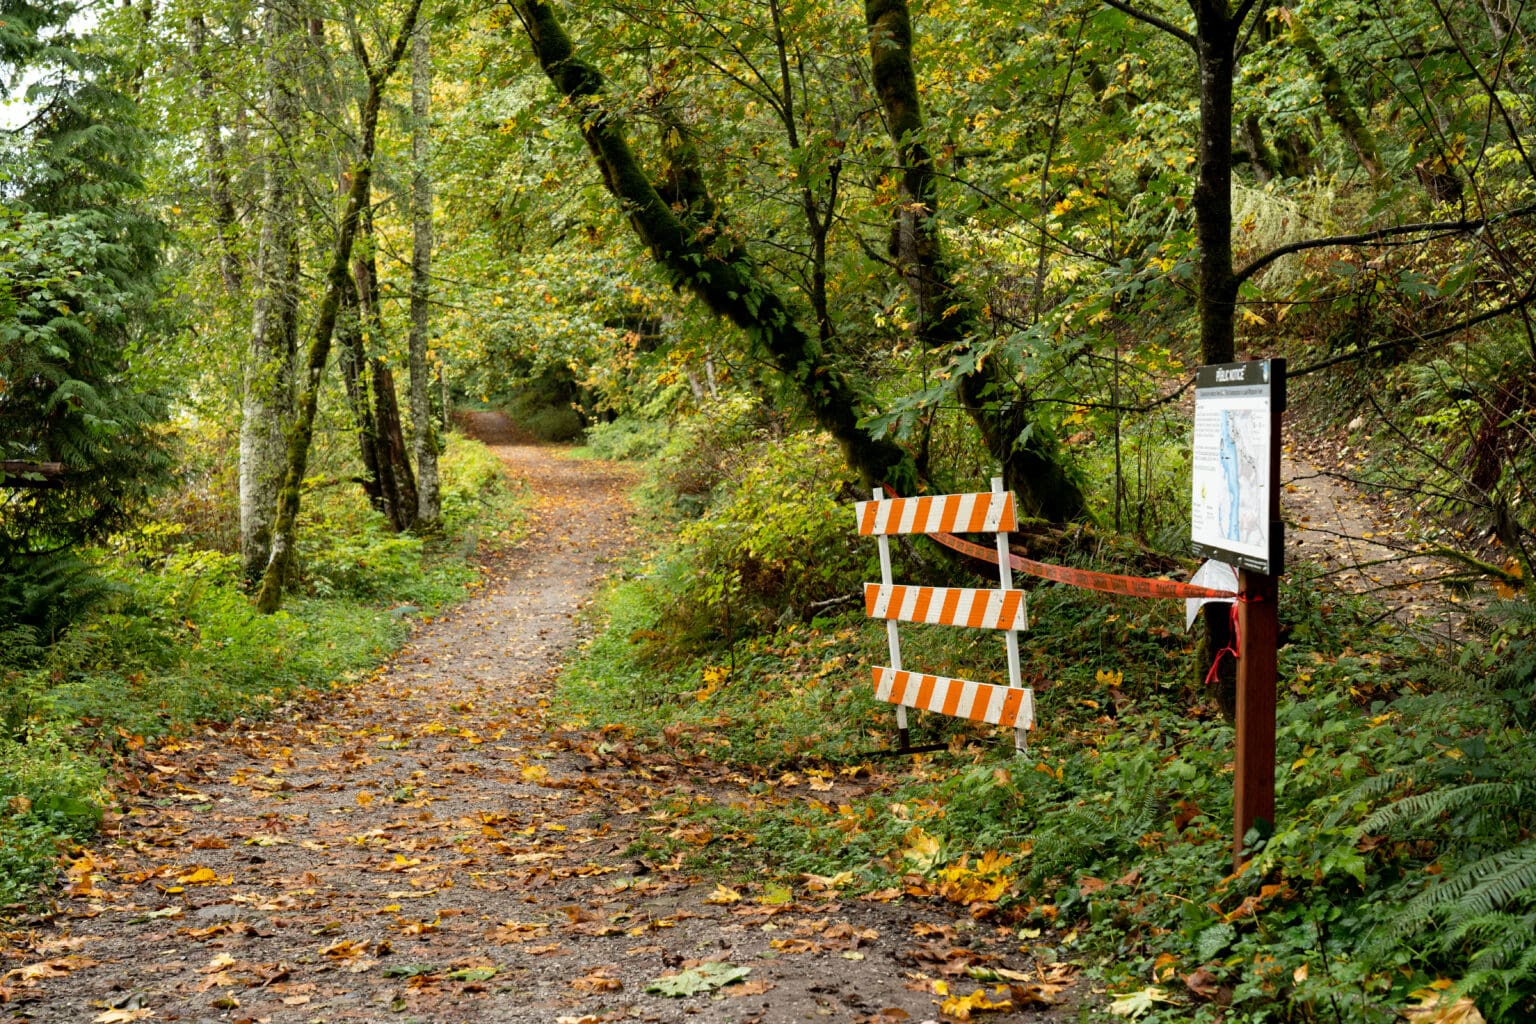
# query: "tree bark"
397,486
700,257
273,580
1215,43
267,405
946,320
423,431
214,155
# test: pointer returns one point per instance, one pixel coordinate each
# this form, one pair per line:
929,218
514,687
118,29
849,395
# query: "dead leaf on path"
122,1016
552,949
597,980
748,988
517,931
57,968
346,949
880,895
962,1007
792,946
723,896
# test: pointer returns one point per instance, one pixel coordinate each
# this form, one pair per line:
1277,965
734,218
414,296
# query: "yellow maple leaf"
961,1007
723,896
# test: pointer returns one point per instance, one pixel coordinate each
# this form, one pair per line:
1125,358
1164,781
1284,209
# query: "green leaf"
703,978
1134,1004
472,974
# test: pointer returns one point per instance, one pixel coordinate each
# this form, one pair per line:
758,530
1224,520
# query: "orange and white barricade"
1004,609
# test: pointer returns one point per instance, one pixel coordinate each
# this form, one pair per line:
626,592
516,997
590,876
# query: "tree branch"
1156,22
1379,235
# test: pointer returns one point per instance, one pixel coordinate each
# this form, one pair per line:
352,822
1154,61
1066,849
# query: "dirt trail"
1365,544
424,847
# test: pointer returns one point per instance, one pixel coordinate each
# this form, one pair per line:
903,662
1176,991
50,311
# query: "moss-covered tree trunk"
423,430
946,321
270,597
716,269
267,398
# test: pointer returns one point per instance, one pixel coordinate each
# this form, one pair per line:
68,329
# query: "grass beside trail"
174,643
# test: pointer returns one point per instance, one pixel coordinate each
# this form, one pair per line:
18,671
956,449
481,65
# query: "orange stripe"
900,686
1011,606
867,524
920,608
924,693
871,595
952,697
979,602
951,509
920,521
1011,705
951,603
980,697
978,515
1007,523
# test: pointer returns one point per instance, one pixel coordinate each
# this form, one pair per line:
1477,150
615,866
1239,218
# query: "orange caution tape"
1109,583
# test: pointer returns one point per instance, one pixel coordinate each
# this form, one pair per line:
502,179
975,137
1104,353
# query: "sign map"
1230,506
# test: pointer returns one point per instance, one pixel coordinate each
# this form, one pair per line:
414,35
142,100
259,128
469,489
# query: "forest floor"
428,846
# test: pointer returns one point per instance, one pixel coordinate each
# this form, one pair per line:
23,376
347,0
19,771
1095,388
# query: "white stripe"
994,607
883,679
967,698
1027,710
908,514
963,516
882,513
909,605
963,607
882,601
995,510
935,515
995,706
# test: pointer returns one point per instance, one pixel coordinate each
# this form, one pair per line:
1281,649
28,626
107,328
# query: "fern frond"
1478,888
1421,807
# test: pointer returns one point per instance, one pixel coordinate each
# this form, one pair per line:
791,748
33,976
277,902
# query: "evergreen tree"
78,436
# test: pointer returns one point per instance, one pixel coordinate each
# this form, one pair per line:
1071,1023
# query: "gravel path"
425,846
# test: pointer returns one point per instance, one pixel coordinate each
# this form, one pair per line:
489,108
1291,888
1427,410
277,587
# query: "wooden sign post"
1235,518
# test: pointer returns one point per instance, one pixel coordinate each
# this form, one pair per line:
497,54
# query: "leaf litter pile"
424,847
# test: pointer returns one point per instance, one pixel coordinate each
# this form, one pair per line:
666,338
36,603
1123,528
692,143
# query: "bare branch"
1154,20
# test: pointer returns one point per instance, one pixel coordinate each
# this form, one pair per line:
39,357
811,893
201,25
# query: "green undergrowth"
1400,871
174,642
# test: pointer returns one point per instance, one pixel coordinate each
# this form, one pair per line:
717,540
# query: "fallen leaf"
1431,1010
723,896
597,980
122,1016
703,978
1134,1004
961,1007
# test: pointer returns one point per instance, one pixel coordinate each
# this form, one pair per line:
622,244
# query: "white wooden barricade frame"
981,701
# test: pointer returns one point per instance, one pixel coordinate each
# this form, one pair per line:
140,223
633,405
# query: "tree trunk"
352,361
1336,98
423,432
1217,302
219,193
270,596
267,405
397,487
711,265
946,320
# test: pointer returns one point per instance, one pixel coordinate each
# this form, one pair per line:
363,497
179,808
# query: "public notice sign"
1230,511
